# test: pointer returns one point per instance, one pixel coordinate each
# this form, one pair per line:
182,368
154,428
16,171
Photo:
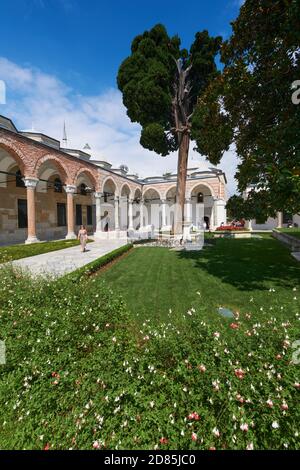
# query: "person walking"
82,237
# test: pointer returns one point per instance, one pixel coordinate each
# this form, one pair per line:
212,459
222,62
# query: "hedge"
94,266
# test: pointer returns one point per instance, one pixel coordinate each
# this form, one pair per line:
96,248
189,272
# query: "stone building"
47,192
282,219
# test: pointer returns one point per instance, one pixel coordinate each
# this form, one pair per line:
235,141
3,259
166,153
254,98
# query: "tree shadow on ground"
252,264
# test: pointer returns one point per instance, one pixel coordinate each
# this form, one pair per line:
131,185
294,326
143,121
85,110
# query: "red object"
47,446
163,440
239,373
227,228
234,326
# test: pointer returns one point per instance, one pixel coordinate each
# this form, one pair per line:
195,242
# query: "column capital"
70,188
31,182
163,201
97,195
188,199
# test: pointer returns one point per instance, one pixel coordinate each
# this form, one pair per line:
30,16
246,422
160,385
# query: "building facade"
282,219
47,192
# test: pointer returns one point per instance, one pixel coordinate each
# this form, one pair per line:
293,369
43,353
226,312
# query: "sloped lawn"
294,232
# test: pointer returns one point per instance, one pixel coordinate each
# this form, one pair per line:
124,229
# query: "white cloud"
39,99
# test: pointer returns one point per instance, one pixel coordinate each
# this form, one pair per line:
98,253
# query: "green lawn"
294,232
85,370
12,252
154,280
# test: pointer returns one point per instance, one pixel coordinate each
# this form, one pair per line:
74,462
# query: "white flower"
216,432
250,446
275,425
96,445
151,404
244,427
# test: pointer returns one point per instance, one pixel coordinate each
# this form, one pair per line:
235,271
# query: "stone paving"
60,262
296,255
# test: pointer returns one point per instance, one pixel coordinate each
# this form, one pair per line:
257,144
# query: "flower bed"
231,228
81,373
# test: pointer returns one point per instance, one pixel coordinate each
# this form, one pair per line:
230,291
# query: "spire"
65,139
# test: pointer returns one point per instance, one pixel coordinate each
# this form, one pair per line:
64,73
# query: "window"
200,198
61,214
58,185
89,216
105,195
19,180
82,189
78,214
22,213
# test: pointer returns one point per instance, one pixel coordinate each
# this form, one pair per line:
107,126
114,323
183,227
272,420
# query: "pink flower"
240,398
297,385
202,368
96,445
270,403
239,373
216,432
47,446
234,326
284,406
194,436
212,448
194,416
278,356
244,427
216,334
163,440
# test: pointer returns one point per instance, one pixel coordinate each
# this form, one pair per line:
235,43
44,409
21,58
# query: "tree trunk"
183,153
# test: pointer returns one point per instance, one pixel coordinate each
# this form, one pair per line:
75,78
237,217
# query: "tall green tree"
250,105
160,83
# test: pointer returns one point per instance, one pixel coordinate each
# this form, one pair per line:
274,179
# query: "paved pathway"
60,262
296,255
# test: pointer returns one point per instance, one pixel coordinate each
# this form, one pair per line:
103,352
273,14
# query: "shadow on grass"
248,264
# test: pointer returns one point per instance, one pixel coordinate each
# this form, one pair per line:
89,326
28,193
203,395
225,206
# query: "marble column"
130,214
279,219
188,210
97,197
163,213
141,214
31,184
70,190
117,223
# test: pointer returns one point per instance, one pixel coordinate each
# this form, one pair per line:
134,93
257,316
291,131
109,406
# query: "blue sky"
69,51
